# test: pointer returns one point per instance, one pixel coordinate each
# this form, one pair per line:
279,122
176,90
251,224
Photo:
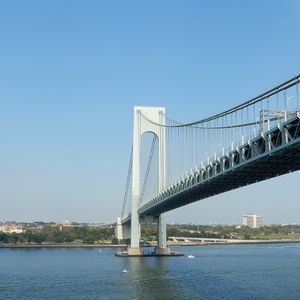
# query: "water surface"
216,272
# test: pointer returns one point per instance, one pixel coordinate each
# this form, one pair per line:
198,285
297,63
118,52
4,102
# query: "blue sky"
71,72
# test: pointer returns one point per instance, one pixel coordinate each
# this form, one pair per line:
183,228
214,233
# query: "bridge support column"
162,236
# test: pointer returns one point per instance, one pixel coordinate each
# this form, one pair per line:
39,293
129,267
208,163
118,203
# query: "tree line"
51,234
60,234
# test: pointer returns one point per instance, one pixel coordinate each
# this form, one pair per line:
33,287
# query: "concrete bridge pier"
162,247
134,248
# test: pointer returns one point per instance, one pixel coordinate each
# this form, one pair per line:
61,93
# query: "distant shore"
170,243
61,246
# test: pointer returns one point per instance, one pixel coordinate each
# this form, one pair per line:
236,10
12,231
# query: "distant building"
11,228
252,221
65,223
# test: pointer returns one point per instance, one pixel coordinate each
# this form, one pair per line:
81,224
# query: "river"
216,272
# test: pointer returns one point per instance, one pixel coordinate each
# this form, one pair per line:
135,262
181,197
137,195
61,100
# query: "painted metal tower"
142,125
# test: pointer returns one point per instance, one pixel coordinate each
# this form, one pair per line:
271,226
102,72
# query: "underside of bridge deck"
278,162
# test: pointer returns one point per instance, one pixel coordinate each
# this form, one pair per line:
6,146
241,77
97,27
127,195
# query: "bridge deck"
278,163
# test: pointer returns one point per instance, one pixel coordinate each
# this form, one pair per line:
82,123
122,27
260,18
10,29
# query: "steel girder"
271,154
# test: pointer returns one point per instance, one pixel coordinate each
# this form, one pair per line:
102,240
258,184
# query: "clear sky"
71,72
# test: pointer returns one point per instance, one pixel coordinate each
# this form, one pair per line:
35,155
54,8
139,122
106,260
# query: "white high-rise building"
252,221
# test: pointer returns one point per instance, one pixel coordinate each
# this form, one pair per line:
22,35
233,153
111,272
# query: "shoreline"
61,246
234,242
243,242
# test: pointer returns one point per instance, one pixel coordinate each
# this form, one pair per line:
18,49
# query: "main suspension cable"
282,87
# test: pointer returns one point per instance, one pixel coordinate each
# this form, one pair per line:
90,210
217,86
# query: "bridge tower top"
146,120
146,117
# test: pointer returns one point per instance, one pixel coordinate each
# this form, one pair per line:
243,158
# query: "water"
216,272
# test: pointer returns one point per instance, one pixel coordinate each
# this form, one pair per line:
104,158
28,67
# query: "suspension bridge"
186,162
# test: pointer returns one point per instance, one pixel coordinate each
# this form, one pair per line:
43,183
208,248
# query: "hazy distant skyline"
71,72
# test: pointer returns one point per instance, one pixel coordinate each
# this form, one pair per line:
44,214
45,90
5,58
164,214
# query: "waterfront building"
252,221
11,228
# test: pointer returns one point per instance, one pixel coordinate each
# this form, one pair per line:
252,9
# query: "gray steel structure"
274,153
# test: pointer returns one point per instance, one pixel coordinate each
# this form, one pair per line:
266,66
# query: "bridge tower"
140,126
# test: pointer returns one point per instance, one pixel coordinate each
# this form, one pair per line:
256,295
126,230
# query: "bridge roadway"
273,153
203,240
